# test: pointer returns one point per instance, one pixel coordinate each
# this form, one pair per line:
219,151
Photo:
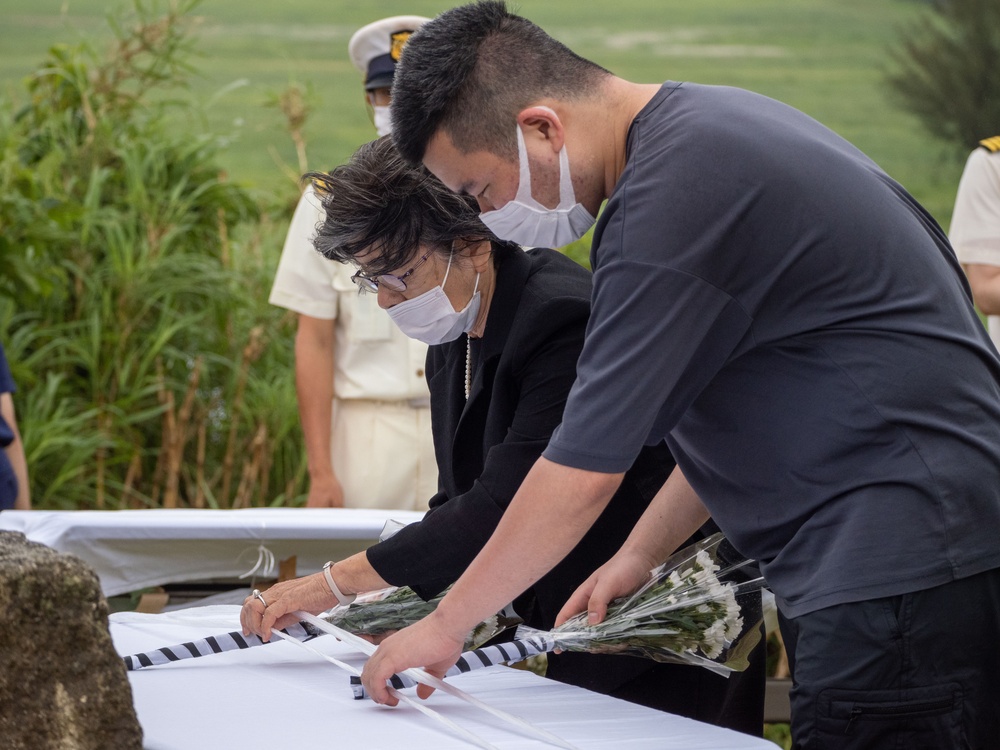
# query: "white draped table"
279,696
135,549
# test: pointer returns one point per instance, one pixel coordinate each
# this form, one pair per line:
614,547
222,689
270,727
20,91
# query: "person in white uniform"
363,398
975,229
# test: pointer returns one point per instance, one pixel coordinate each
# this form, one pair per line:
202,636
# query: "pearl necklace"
468,365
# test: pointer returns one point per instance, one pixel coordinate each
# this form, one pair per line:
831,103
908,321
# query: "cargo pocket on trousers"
920,718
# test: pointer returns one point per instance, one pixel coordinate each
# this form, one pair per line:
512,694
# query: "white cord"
473,738
420,675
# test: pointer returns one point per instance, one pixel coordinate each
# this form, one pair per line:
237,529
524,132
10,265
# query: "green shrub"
131,288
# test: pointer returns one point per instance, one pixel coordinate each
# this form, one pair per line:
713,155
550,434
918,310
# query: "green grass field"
825,57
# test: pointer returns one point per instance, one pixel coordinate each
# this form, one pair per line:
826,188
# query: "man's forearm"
985,282
674,514
550,513
15,452
314,366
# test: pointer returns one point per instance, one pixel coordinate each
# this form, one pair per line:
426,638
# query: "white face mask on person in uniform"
383,123
527,222
430,317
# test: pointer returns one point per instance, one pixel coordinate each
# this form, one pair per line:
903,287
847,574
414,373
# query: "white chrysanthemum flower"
734,617
734,628
714,639
688,611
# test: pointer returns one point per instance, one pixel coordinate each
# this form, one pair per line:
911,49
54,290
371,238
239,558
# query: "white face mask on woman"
430,317
527,222
383,123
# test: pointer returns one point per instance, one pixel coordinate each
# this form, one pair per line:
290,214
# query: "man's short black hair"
471,70
378,202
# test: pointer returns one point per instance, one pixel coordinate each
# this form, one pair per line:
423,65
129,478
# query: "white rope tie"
264,565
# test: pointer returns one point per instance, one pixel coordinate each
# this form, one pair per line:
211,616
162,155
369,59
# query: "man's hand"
619,576
325,493
427,643
672,516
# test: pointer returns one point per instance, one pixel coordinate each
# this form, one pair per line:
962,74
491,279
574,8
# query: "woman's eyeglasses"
396,283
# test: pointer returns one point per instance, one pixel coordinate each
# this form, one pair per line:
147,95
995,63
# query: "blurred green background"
826,57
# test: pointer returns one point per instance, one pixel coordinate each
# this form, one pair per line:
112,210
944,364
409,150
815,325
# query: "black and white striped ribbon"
488,656
214,644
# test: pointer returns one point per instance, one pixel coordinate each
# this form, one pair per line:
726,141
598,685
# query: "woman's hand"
309,593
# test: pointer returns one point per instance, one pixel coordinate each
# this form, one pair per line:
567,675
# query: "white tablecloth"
134,549
279,697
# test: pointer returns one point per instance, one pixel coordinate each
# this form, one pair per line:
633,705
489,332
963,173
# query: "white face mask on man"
527,222
430,317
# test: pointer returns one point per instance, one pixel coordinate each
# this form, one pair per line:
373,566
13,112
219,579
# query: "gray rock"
61,683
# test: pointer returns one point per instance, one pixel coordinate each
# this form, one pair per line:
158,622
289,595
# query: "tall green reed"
133,287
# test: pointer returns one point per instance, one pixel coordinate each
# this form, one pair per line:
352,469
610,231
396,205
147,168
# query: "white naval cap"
375,48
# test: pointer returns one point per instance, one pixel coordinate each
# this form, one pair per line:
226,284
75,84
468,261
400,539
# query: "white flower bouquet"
395,608
687,612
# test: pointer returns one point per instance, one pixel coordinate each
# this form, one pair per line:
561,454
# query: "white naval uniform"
975,224
381,444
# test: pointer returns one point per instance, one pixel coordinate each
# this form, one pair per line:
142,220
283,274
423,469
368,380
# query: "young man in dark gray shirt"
796,327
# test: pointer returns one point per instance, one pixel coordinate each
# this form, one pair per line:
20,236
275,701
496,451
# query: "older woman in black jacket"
506,328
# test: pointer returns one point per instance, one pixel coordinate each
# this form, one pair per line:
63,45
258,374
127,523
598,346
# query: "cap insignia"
398,40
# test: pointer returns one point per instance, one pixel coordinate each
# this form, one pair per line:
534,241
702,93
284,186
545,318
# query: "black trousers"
919,671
